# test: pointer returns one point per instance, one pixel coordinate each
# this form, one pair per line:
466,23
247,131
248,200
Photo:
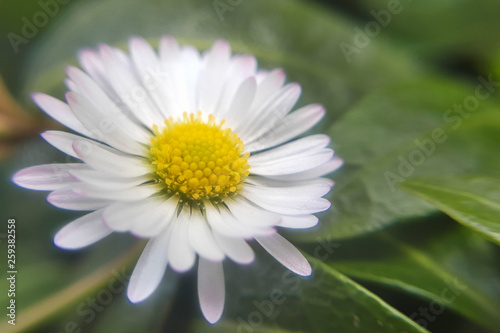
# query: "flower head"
197,152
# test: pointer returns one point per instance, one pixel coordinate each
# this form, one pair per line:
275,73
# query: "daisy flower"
196,152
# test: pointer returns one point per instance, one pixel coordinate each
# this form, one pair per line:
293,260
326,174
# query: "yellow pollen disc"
198,159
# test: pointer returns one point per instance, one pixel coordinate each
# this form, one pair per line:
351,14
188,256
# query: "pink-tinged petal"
61,112
287,254
92,64
150,268
83,231
47,177
211,289
64,141
66,198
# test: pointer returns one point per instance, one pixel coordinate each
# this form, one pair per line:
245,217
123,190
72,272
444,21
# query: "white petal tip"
36,97
63,242
212,315
21,177
303,270
137,296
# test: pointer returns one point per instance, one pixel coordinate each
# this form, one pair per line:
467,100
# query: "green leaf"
265,297
349,306
459,28
394,135
300,37
449,266
231,326
51,305
472,200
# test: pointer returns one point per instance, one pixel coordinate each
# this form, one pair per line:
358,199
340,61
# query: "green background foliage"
411,241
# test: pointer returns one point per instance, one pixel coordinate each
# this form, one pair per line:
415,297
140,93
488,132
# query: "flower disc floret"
197,159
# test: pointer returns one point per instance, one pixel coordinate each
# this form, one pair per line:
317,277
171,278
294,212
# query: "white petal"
269,86
82,232
241,67
66,198
105,127
223,222
321,170
271,112
291,164
191,63
106,108
314,188
235,248
145,218
157,80
239,107
211,289
174,86
121,77
202,239
278,182
251,215
287,254
299,221
157,219
306,146
92,64
181,254
105,180
47,177
64,141
61,112
288,128
212,75
130,194
110,160
70,85
284,203
149,269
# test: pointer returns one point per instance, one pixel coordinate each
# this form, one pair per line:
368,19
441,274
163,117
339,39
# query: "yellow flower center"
198,159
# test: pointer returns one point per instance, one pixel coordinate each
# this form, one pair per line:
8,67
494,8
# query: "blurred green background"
411,241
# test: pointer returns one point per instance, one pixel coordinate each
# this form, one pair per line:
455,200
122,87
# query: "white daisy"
195,152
